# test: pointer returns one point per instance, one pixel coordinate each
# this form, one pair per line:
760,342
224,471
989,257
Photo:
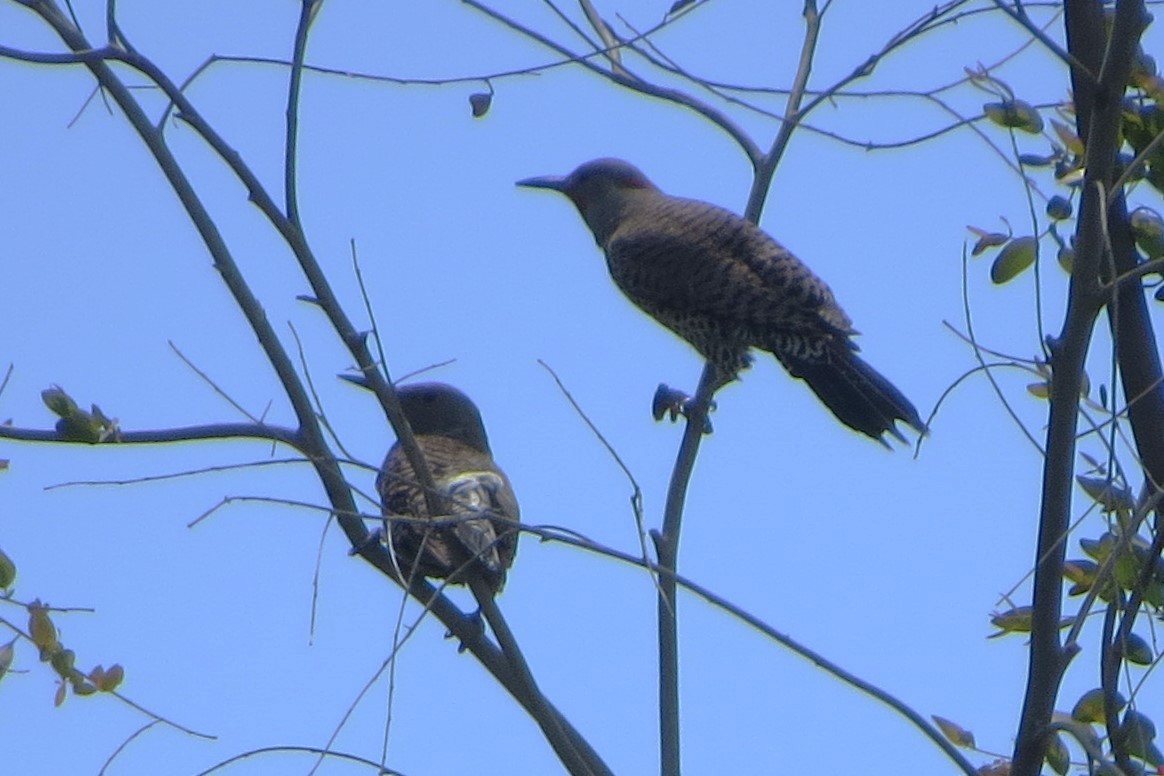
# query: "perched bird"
725,286
479,533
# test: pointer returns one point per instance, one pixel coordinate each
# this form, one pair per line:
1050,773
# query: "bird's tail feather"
860,396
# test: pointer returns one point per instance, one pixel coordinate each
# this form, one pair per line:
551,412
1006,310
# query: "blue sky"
886,564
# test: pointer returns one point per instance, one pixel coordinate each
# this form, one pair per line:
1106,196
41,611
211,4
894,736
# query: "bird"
725,286
478,535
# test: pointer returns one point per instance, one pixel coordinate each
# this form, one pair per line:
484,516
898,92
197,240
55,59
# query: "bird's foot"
478,624
673,403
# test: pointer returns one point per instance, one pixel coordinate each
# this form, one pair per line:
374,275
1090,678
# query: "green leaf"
7,571
1039,390
1098,548
1110,496
1136,733
1154,594
58,401
7,653
1080,570
1057,755
958,735
1016,114
1059,207
1013,259
1137,651
62,662
1068,137
1148,231
1089,707
1016,620
40,626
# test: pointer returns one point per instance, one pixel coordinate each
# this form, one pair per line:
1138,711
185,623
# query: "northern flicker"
479,533
725,286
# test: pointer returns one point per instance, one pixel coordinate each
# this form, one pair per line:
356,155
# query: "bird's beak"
552,182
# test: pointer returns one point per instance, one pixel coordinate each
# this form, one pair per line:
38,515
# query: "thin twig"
213,385
636,492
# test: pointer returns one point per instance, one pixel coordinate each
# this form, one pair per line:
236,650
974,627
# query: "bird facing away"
725,286
479,533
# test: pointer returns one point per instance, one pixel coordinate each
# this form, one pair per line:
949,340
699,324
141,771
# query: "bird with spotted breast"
479,534
725,286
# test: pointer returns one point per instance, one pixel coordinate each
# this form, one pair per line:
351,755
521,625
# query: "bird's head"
601,190
436,409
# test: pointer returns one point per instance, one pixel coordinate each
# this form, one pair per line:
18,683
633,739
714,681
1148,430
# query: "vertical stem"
291,152
667,541
667,547
1098,110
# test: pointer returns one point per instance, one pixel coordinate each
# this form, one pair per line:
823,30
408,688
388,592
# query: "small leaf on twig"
1039,390
986,239
1016,114
958,735
1137,651
1110,496
1059,207
1098,548
1148,231
1089,707
107,679
40,627
1016,620
1068,137
62,661
1037,160
1135,733
1082,573
1013,259
1057,755
58,401
479,102
7,653
7,571
996,768
77,425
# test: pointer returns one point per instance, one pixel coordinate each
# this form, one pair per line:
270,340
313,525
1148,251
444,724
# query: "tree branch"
1098,107
309,436
158,436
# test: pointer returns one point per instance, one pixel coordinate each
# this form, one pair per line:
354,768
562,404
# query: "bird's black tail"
860,396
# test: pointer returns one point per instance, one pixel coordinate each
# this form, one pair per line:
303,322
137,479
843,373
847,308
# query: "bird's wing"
488,494
699,258
480,504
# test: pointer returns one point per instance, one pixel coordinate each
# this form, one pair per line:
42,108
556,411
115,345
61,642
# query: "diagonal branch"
309,436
